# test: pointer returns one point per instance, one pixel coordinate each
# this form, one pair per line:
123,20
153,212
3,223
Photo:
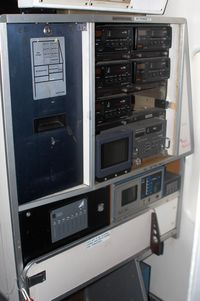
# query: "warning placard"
48,67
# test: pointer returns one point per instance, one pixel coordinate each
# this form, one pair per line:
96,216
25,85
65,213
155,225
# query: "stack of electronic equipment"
131,72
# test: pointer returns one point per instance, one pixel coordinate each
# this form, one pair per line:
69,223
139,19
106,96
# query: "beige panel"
87,260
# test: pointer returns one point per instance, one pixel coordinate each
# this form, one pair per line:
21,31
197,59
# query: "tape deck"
117,42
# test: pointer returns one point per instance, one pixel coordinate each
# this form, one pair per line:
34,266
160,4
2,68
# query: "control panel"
151,186
69,219
149,138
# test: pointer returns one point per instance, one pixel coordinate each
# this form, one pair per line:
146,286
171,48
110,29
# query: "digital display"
114,152
129,195
151,184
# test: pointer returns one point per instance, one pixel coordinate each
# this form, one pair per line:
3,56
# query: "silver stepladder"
62,269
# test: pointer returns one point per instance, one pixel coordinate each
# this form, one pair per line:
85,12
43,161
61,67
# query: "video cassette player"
130,197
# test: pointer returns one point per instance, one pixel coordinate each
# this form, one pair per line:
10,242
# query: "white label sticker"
142,19
98,239
48,67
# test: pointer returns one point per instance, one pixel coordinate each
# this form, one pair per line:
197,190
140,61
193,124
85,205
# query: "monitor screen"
114,152
129,195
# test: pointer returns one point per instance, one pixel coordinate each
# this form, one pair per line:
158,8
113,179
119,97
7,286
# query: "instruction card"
98,239
48,67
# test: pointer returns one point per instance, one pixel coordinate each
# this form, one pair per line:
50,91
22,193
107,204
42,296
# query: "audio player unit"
121,42
125,74
113,109
129,197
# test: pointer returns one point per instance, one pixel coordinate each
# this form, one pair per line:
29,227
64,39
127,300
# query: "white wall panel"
87,260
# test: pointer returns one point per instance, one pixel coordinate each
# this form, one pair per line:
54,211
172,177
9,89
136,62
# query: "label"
98,239
48,67
142,19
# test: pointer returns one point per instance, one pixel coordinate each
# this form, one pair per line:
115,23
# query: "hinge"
156,245
36,279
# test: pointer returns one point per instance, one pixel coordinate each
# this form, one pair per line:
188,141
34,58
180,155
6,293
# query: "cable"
25,295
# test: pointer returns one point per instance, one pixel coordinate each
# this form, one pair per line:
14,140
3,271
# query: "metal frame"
180,87
88,68
7,252
186,63
90,93
97,18
100,18
10,160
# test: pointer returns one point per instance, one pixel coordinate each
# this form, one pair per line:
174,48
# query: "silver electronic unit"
129,197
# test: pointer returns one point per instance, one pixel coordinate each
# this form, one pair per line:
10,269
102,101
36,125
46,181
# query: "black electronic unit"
46,103
113,152
103,123
147,114
156,69
124,76
149,138
112,109
156,90
172,183
135,54
153,37
117,42
112,76
54,225
131,60
113,39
